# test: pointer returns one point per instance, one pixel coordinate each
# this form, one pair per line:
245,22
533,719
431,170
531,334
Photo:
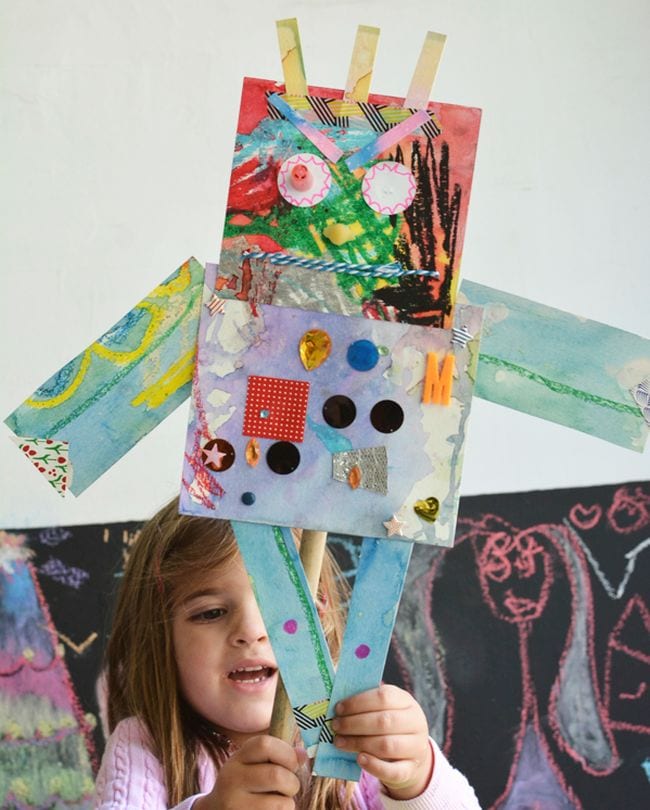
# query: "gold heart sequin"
427,509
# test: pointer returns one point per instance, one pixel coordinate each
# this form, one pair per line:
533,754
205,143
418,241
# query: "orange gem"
354,477
253,452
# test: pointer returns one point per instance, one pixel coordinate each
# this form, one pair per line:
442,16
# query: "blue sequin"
363,355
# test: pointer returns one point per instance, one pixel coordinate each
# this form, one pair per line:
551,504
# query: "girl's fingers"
393,747
391,774
268,749
266,777
383,697
409,720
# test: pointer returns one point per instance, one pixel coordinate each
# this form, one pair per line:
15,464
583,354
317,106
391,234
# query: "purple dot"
362,651
290,626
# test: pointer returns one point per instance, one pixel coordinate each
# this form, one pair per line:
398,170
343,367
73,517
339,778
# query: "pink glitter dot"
362,651
290,626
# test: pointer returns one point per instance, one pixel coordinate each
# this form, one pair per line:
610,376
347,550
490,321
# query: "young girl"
191,683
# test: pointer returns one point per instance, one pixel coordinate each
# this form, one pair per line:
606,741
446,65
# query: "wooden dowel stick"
312,550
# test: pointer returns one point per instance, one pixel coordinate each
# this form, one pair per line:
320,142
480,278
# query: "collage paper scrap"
295,413
85,417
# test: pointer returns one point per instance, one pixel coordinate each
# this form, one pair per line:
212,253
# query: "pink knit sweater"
131,778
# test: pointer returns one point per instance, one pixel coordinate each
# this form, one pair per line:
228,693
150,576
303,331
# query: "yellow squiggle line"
176,285
157,314
174,378
119,358
57,400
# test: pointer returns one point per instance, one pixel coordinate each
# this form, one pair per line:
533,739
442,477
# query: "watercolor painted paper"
378,584
560,367
429,205
294,628
123,385
268,436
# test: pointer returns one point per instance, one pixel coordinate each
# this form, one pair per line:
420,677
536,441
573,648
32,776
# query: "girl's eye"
388,187
208,615
304,180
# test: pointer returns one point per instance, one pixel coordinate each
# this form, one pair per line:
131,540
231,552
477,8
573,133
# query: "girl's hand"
260,776
388,729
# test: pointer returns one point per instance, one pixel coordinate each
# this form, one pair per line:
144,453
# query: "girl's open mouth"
256,674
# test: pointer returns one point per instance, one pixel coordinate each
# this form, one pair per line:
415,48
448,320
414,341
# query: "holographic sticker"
368,465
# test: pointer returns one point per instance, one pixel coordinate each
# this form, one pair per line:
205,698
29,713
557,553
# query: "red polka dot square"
276,408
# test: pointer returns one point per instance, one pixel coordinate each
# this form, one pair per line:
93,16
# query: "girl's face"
226,666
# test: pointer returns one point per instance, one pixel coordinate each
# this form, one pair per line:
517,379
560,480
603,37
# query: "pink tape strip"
327,147
387,139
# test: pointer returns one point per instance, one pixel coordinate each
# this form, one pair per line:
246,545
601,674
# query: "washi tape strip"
313,715
641,394
357,86
387,139
560,367
293,66
425,71
336,112
292,621
320,141
123,385
378,586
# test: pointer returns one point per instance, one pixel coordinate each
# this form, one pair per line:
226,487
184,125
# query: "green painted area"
293,227
306,604
560,388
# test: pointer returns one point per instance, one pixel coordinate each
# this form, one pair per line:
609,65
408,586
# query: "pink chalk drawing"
585,517
516,571
627,669
630,511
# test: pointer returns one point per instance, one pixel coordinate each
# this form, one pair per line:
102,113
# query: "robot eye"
304,180
388,187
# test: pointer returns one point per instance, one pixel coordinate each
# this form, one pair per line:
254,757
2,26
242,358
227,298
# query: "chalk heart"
585,517
427,509
315,347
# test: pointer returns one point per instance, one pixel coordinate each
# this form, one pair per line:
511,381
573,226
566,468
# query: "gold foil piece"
253,452
315,347
427,509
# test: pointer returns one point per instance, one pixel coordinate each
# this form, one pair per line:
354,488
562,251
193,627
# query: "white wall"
117,128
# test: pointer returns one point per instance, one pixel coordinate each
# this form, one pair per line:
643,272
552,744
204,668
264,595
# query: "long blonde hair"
171,551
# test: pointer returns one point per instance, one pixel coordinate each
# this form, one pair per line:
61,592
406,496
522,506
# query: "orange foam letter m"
437,385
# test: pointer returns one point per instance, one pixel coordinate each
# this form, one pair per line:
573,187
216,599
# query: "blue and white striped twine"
391,270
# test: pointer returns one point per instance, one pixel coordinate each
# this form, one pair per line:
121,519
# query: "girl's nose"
249,627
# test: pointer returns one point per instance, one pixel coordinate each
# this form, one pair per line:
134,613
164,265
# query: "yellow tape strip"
425,71
293,67
357,86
